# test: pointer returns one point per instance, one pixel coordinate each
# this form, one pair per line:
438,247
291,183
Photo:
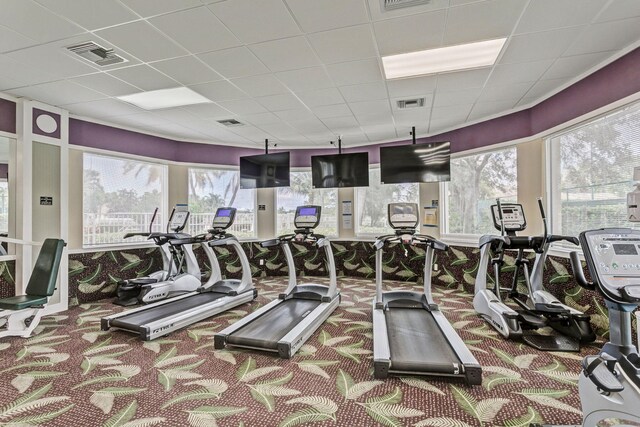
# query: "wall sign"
46,200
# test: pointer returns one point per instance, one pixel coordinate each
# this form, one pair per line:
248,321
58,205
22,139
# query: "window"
591,171
300,193
476,181
119,196
210,189
372,201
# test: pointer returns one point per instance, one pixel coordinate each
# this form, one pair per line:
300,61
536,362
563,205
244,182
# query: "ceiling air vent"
230,122
399,4
95,53
410,103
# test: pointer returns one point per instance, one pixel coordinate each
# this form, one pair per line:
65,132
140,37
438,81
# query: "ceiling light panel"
442,60
165,98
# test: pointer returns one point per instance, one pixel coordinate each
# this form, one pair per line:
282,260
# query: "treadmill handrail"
414,239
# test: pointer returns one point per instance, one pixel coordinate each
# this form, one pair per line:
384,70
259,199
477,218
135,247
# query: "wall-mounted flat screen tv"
264,171
430,162
340,170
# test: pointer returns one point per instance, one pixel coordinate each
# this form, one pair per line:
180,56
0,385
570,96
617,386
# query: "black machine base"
551,342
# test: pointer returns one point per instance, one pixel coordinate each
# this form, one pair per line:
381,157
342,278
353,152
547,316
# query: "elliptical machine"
538,308
180,273
610,382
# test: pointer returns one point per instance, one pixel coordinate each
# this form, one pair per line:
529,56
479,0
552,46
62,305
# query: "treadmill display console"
403,215
307,216
512,217
224,218
179,218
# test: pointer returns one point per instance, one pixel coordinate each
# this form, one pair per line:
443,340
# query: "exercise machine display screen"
179,218
625,249
403,215
512,217
307,216
224,218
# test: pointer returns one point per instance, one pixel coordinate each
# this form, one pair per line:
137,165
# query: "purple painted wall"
7,116
4,171
36,129
615,81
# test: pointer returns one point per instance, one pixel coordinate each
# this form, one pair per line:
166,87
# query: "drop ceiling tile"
306,79
370,107
12,40
187,70
146,8
486,109
463,79
235,62
91,14
573,66
543,15
261,119
256,21
377,128
524,102
105,83
297,114
458,113
52,59
26,74
219,91
344,44
416,86
144,77
507,92
519,73
197,30
58,93
410,33
286,54
262,85
440,125
364,92
243,106
314,16
544,88
286,101
142,41
308,126
355,72
320,97
378,119
482,21
607,36
36,22
102,108
8,83
620,9
381,136
539,46
177,115
341,124
207,111
418,117
327,111
458,97
279,130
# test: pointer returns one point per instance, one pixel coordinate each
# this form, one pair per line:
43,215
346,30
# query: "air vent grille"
410,103
230,122
399,4
97,54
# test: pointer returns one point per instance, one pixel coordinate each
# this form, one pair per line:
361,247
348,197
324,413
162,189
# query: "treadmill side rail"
381,351
220,338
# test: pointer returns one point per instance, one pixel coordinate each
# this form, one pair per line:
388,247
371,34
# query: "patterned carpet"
74,374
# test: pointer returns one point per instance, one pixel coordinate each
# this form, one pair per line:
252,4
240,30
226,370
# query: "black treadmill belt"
417,343
268,329
135,320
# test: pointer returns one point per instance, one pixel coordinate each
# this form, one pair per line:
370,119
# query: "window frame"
275,204
356,211
255,195
164,202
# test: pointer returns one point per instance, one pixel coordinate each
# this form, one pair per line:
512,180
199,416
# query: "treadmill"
161,318
411,336
285,324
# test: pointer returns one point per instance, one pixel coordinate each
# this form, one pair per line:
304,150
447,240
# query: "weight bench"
19,315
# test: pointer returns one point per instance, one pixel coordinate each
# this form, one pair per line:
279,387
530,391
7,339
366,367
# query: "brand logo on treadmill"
162,295
496,324
164,328
306,314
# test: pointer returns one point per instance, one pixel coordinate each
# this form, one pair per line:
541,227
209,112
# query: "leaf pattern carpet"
72,373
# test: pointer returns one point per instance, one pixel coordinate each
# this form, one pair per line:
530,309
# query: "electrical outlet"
262,261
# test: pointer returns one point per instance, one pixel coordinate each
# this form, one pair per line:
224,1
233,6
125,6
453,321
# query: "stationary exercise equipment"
180,273
163,317
285,324
537,308
610,382
410,333
20,315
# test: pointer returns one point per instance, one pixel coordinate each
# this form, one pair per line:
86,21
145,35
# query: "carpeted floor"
74,374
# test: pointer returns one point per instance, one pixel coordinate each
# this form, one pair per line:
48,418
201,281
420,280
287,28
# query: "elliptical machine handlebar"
578,273
413,239
307,236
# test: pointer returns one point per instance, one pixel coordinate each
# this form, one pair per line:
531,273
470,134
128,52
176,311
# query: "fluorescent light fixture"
164,98
442,60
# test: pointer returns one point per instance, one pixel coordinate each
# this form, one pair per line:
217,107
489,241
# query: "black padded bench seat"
22,301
